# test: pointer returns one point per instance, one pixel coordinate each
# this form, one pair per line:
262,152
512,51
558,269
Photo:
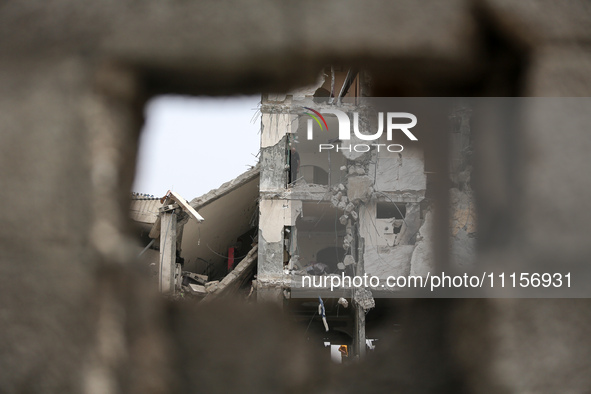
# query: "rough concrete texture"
423,259
462,228
359,188
274,127
270,261
410,226
275,215
399,172
76,316
273,173
383,261
347,149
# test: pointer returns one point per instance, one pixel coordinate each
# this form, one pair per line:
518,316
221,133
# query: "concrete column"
167,251
359,333
359,339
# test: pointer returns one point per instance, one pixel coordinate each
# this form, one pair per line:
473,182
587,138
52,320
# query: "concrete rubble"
196,269
368,214
373,216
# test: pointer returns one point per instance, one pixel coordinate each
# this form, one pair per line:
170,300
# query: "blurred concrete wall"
74,77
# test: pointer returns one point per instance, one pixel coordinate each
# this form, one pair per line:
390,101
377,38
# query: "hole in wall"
389,210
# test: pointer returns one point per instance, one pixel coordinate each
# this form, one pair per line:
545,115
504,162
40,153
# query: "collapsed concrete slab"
236,278
232,212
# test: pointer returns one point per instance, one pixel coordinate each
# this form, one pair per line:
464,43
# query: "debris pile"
200,286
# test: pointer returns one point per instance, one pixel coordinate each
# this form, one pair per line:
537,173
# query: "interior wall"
310,243
225,220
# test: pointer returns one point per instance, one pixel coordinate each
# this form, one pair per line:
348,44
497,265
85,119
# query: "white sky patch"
194,144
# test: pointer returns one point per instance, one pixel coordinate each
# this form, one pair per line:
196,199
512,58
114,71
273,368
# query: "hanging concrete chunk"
359,188
343,302
349,260
334,201
350,207
364,299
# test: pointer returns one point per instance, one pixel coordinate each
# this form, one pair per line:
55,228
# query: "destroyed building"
341,207
74,81
319,206
206,254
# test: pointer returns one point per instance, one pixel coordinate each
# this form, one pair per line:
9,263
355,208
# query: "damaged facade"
214,255
344,207
309,211
161,223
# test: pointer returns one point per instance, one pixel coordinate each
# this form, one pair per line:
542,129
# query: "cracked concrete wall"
361,178
399,172
387,253
273,171
274,126
275,215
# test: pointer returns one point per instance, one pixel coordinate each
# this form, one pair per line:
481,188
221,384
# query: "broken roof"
226,188
230,211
